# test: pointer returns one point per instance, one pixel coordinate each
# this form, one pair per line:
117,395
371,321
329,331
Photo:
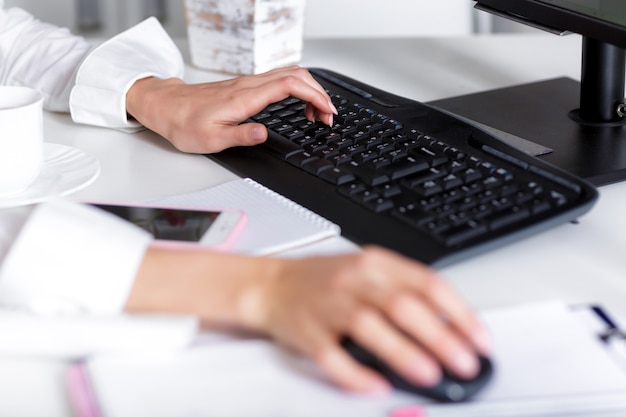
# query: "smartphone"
180,226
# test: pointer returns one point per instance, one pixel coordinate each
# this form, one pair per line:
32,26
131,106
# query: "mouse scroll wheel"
455,392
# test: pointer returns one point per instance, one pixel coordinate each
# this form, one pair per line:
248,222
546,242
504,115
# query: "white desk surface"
578,263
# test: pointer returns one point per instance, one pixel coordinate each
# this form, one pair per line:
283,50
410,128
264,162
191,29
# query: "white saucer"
65,170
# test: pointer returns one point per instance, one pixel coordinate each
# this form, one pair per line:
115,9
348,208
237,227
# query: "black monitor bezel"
561,18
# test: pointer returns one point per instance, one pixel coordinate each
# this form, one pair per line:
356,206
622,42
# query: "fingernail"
426,372
482,341
465,364
333,108
377,386
258,134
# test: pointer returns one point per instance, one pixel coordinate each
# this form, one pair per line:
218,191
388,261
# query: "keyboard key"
451,181
507,217
365,156
539,206
379,204
406,166
282,148
422,177
364,196
352,188
389,190
428,188
336,176
433,157
366,173
316,166
471,175
436,226
301,158
558,199
412,215
462,233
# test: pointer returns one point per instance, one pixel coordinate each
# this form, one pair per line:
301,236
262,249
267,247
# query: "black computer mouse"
450,389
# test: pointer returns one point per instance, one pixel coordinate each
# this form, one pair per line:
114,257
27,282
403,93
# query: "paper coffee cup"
21,138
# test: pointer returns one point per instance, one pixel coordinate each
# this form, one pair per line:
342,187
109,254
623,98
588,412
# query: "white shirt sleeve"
64,257
39,55
99,95
89,82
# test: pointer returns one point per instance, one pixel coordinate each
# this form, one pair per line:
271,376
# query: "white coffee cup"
21,138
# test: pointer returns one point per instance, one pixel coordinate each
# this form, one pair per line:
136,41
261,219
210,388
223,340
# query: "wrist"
144,97
256,301
220,289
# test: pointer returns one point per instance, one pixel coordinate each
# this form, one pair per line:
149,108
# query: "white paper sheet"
546,361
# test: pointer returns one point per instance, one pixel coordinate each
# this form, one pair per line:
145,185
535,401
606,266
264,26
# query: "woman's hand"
394,307
205,118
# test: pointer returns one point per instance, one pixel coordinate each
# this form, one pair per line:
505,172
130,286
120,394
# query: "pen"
82,396
612,329
613,336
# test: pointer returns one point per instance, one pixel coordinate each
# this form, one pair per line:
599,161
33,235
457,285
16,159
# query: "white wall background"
324,18
105,17
388,18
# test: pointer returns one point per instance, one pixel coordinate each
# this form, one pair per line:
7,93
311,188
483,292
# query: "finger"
384,340
275,75
226,136
310,113
323,117
348,374
431,331
322,346
256,98
445,300
298,72
282,76
396,271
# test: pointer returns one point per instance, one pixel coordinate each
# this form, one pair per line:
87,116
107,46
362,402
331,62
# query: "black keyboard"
408,176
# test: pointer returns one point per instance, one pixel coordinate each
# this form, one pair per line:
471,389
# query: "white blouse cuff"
72,258
103,79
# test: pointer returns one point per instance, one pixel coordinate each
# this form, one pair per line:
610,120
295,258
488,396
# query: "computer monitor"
580,127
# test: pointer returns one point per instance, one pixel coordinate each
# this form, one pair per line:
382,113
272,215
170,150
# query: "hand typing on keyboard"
406,175
205,118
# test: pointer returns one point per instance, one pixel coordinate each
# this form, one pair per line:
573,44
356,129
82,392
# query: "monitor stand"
572,125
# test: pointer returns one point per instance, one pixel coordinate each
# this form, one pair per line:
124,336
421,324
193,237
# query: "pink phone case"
173,244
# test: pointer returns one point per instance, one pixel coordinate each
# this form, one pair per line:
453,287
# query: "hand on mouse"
205,118
398,309
395,307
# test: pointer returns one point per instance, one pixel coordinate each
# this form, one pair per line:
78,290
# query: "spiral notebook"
274,223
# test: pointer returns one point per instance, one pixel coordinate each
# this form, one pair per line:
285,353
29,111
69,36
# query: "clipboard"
602,327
